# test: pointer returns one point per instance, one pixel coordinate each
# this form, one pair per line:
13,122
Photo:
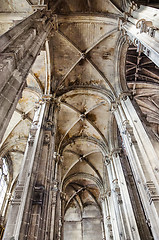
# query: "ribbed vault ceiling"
83,72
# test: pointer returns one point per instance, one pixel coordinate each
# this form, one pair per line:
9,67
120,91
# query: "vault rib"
130,62
94,107
90,122
101,146
82,175
102,75
56,4
92,195
71,107
71,198
79,204
150,72
106,93
84,56
37,80
70,70
69,40
68,132
85,155
24,114
93,17
129,69
93,167
107,34
97,129
89,5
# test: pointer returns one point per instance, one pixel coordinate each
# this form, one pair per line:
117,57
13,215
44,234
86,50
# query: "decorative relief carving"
114,106
146,27
33,131
141,47
109,226
107,160
18,195
116,189
102,197
46,138
151,192
63,195
128,131
55,185
54,189
57,157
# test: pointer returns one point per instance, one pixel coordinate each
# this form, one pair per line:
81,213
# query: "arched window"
4,180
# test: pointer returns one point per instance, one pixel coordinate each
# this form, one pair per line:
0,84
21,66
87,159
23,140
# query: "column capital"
55,185
107,160
124,95
108,193
47,98
116,151
114,106
57,157
63,196
103,196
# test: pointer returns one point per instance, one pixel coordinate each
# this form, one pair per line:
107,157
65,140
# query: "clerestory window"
4,180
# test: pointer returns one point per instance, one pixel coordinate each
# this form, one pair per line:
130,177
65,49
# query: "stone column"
58,214
44,183
17,208
141,26
19,49
63,201
117,201
142,159
126,205
106,218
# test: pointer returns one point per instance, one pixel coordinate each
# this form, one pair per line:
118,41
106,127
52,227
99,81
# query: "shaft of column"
126,203
141,167
15,217
116,201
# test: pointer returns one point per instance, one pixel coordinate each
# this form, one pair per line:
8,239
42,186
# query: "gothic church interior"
79,120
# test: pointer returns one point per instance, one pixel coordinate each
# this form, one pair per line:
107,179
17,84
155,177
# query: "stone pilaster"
138,152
